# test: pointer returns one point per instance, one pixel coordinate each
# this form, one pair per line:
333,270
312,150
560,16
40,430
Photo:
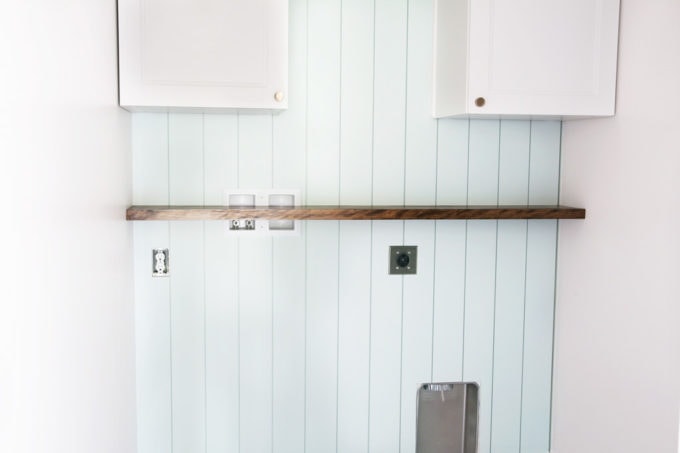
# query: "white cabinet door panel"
553,58
203,54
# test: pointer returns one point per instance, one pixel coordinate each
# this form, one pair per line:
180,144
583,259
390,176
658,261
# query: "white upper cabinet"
525,58
203,54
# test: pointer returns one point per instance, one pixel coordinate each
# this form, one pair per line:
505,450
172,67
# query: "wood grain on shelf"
354,212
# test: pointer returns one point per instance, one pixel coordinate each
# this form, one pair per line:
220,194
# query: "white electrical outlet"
160,262
263,198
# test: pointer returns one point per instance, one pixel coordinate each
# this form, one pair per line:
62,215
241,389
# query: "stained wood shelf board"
355,212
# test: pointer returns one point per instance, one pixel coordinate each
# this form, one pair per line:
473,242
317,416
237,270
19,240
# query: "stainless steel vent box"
447,419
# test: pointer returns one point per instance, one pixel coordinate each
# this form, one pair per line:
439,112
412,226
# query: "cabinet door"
205,54
543,57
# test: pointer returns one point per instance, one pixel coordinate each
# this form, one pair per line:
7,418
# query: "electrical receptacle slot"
242,225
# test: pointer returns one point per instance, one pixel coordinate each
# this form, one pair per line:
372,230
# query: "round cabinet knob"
278,96
479,102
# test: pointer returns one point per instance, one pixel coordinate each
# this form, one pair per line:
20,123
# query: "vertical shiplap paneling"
221,340
185,165
221,297
323,156
385,350
452,161
483,162
509,324
187,286
288,286
356,103
540,289
513,186
419,188
255,340
306,343
290,131
255,292
416,345
513,172
188,336
255,164
150,158
449,301
538,336
389,98
544,171
449,269
421,128
480,273
479,311
389,142
152,295
152,339
354,271
322,336
220,156
288,261
353,335
323,101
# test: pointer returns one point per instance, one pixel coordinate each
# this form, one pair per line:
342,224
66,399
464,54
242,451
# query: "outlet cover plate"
403,259
160,265
263,198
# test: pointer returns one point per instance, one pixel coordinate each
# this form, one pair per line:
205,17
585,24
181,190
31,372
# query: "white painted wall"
66,309
617,368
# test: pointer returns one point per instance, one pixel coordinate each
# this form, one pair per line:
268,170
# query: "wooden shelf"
354,212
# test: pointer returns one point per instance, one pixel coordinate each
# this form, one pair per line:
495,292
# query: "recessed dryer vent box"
447,417
263,198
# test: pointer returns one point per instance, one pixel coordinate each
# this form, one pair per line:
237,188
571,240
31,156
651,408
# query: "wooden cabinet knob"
479,102
278,96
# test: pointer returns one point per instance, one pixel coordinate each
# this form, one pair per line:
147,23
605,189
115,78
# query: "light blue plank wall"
152,317
187,288
306,344
289,310
222,342
255,295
